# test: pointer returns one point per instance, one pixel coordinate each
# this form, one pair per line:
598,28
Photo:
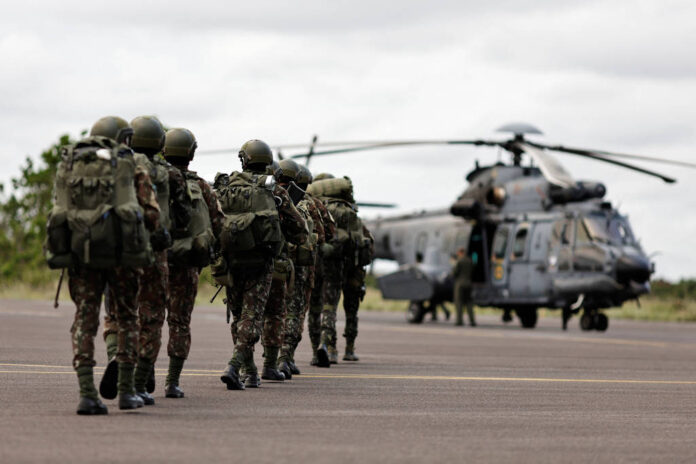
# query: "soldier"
462,287
250,197
342,259
304,259
191,251
119,193
153,297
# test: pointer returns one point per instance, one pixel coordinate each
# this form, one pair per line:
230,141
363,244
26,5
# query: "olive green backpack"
96,220
251,229
195,248
305,254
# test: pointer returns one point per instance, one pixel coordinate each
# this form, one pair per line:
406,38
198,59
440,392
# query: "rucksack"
251,228
159,175
96,220
305,254
195,247
349,236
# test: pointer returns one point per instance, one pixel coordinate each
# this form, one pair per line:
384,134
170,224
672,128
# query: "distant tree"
23,212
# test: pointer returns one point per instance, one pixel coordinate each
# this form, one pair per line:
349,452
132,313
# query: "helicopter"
538,237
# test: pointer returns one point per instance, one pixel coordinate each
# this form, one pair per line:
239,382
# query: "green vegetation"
24,207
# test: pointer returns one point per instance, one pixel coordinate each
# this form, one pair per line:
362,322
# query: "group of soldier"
131,222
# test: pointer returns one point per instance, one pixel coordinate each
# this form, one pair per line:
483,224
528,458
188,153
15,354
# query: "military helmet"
324,175
147,133
180,143
112,127
256,152
304,177
272,169
289,169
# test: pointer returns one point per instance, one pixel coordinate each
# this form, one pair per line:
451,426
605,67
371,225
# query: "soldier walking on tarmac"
191,251
259,216
462,287
101,188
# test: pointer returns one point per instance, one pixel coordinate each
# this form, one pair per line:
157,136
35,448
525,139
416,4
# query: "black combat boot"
91,407
284,368
333,355
127,399
108,387
89,400
142,373
270,364
270,373
173,391
231,378
323,357
350,353
150,386
252,380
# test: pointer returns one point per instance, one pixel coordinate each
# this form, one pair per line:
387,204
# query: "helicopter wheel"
528,317
601,322
587,321
415,312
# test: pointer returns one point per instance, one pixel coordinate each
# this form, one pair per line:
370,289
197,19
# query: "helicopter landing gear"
594,320
528,317
567,314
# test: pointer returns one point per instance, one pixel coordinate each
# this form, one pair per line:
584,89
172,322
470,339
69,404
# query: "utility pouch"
220,272
58,249
136,249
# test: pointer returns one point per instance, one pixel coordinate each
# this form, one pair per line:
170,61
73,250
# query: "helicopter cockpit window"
620,231
500,243
520,243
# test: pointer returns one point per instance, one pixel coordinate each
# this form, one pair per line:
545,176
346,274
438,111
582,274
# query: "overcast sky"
613,75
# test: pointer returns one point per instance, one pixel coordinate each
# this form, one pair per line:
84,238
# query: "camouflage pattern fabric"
326,220
297,307
213,203
316,304
274,313
183,288
86,290
352,294
246,301
333,282
147,199
153,300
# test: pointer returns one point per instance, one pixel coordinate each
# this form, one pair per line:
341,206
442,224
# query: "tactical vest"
96,220
195,247
251,232
305,254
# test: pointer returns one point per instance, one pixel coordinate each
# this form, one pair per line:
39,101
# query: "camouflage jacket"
213,203
292,223
326,220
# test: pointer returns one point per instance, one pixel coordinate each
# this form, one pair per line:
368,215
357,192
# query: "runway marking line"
608,341
210,373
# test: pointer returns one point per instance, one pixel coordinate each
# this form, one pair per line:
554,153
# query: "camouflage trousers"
246,301
297,307
183,288
353,285
86,289
275,312
333,274
316,304
153,299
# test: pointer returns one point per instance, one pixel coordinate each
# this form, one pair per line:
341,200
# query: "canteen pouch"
220,272
136,250
364,254
94,237
237,234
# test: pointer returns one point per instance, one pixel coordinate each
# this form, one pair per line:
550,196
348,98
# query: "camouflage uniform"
153,297
299,299
183,282
87,287
248,296
353,293
316,301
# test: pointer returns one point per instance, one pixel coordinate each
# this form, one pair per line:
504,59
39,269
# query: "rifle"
60,284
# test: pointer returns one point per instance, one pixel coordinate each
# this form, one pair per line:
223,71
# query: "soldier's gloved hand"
160,239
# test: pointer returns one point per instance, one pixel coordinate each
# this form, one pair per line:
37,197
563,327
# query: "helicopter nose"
633,268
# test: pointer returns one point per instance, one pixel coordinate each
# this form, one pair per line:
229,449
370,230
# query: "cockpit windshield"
609,229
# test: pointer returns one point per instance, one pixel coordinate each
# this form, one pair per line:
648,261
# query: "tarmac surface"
429,393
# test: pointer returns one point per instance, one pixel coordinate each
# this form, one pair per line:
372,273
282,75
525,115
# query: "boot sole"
323,358
108,387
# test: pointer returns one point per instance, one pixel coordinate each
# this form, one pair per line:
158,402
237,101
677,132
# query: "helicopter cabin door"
528,254
499,256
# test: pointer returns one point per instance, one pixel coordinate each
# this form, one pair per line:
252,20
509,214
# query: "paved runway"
430,393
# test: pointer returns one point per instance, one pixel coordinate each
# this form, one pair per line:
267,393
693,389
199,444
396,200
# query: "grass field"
651,308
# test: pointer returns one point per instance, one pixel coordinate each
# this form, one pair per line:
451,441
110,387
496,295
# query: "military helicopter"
538,238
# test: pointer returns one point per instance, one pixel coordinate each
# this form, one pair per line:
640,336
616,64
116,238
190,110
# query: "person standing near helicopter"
462,287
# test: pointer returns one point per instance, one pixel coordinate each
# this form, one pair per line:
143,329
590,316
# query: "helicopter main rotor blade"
585,151
601,157
397,143
552,170
376,205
